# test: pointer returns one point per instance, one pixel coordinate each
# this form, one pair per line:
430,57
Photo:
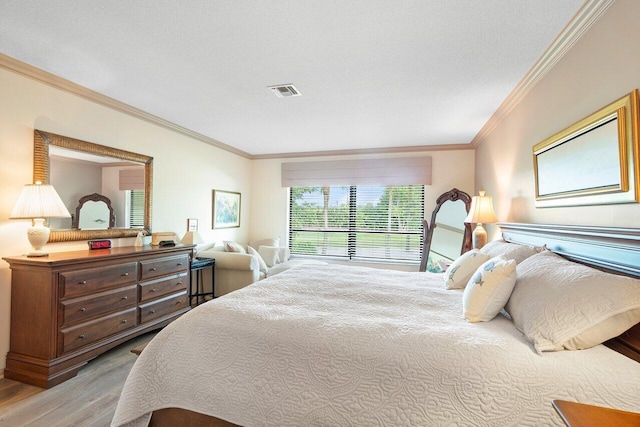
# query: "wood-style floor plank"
89,399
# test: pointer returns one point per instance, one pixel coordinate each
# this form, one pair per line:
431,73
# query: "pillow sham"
263,265
233,247
460,271
558,304
489,289
270,255
273,241
510,250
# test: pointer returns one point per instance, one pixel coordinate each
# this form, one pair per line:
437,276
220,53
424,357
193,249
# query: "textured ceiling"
372,73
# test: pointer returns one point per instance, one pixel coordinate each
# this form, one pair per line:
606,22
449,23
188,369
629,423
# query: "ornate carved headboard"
611,249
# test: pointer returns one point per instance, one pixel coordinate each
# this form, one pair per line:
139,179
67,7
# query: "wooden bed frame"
611,249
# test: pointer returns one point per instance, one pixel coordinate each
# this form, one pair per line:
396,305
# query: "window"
135,208
367,222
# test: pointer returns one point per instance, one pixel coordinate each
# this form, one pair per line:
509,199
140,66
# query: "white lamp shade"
191,238
481,211
39,201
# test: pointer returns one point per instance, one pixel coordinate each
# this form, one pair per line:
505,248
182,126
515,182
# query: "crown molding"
65,85
383,150
588,14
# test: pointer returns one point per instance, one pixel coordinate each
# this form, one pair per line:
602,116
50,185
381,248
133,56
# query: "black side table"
197,265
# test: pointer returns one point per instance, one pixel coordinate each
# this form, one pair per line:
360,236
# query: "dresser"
69,307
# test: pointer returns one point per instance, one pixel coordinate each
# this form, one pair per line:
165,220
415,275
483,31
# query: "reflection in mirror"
94,212
446,236
76,168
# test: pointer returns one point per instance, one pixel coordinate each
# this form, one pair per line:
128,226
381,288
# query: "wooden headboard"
610,249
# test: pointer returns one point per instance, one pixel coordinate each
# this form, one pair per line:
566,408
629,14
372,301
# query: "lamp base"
479,237
38,236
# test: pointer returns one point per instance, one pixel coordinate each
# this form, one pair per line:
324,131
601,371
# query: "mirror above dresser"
79,168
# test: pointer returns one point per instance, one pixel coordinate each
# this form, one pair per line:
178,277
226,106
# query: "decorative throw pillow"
270,255
510,250
263,265
233,247
283,254
559,304
460,271
489,289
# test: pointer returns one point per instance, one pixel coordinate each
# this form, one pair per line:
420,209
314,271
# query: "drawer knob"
83,282
83,309
125,274
151,311
125,297
179,263
154,269
179,301
123,321
153,290
178,283
81,336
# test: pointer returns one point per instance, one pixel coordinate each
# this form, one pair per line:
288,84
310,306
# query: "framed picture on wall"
192,224
594,161
226,209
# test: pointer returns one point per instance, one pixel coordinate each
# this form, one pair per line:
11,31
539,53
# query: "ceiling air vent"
285,91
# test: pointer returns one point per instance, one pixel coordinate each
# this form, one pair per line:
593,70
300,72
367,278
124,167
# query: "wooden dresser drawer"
83,308
90,280
163,266
164,286
164,306
95,330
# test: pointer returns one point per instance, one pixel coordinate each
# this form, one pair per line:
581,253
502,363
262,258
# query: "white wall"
603,66
185,170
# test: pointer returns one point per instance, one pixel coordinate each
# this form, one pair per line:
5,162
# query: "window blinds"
392,171
131,179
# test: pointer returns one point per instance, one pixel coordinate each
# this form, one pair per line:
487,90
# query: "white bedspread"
347,346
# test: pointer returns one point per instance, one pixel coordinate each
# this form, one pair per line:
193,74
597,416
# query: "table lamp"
38,201
481,212
191,238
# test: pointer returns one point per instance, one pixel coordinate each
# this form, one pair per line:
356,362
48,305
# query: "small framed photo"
192,224
226,209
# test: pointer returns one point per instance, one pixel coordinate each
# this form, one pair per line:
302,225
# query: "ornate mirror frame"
95,197
427,231
41,172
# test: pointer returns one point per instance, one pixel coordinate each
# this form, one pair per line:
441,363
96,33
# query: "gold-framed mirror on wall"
126,176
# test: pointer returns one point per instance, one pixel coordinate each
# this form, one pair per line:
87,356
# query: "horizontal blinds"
131,179
381,222
136,208
393,171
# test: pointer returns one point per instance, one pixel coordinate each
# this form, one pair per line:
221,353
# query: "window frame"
353,232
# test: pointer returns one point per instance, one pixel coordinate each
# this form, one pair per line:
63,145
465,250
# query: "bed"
336,345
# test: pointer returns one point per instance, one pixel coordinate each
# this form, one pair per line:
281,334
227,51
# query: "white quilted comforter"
347,346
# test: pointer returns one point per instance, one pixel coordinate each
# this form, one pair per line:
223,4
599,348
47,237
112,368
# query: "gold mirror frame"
41,172
622,113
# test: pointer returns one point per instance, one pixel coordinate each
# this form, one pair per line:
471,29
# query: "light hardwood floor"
89,399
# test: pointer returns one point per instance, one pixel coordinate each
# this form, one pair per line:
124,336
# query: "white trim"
588,14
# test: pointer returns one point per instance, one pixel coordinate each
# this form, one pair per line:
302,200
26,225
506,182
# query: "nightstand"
197,267
580,415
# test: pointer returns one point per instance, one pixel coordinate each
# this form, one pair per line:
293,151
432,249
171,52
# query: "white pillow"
233,247
510,250
263,265
273,241
558,304
270,255
283,254
489,289
461,270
